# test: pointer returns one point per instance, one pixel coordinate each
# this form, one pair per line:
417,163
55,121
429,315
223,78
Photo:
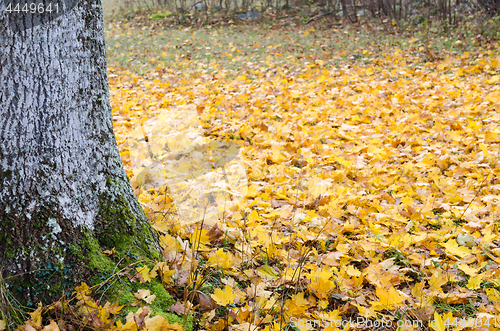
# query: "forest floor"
370,190
358,185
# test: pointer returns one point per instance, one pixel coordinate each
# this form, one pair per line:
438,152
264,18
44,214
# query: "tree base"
46,256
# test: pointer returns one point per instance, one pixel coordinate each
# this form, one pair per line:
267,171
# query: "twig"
318,16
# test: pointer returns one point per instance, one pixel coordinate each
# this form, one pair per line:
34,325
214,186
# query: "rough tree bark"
64,196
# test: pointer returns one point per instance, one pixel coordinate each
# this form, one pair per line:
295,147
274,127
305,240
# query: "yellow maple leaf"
318,186
475,282
493,295
437,280
353,271
155,323
200,238
112,308
366,312
468,270
437,323
297,304
290,274
131,325
491,136
36,316
224,297
168,242
222,259
267,272
166,274
166,326
143,274
453,248
253,217
388,298
83,292
321,284
304,324
3,325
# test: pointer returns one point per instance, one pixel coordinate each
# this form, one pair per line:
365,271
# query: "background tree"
64,196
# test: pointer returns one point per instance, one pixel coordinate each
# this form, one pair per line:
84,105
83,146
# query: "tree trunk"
64,196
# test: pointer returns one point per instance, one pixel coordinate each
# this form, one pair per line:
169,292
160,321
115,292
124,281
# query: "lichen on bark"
64,196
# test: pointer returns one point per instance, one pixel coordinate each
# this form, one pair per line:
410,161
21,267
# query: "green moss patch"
123,293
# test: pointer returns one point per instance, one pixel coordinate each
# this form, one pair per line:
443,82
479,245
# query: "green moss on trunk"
46,256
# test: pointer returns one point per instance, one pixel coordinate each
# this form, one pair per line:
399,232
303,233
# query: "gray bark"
59,163
55,123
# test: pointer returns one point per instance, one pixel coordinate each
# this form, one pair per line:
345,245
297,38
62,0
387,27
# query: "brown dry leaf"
140,316
214,233
206,303
179,308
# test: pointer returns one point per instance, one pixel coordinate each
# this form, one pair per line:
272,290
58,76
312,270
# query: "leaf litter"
370,190
289,192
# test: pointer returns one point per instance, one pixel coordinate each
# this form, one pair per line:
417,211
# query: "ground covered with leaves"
373,188
370,191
